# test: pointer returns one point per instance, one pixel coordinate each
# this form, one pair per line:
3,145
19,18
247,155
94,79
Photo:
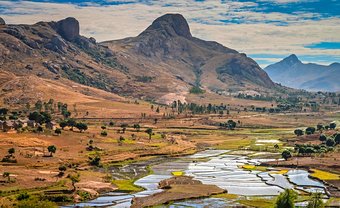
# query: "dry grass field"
37,174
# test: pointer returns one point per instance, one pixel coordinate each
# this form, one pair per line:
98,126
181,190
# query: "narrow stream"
219,168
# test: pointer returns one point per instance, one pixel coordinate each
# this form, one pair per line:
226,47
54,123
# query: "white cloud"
126,20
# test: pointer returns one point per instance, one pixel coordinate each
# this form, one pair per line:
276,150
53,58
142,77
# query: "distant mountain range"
293,73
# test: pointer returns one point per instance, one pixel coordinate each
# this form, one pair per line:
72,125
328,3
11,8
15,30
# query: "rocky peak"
291,60
170,24
68,28
2,21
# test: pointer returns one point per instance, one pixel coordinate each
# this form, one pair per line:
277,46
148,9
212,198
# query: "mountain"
292,72
163,63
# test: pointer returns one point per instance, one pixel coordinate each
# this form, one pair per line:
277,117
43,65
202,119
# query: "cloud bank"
266,30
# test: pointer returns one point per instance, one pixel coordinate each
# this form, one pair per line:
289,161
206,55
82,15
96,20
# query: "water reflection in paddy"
217,168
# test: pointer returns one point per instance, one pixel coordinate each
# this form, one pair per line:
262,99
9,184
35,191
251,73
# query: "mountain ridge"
162,63
292,72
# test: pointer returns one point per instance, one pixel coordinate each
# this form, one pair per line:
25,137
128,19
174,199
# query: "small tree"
62,168
11,151
286,154
137,127
149,132
310,130
319,127
231,124
310,150
298,132
103,133
315,201
63,124
40,129
57,131
51,149
81,126
330,142
103,127
332,125
75,178
286,199
111,123
322,138
124,126
71,123
121,140
7,175
95,161
23,196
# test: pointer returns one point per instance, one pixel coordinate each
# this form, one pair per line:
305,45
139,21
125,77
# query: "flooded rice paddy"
221,168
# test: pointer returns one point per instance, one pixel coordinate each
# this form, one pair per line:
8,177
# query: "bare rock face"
2,21
68,28
172,25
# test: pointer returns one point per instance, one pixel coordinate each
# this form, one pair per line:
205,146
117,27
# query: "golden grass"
253,167
226,196
127,185
234,145
323,175
177,173
258,202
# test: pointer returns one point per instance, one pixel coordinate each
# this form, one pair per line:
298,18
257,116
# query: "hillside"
292,72
164,63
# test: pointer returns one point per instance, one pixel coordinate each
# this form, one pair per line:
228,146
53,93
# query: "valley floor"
38,174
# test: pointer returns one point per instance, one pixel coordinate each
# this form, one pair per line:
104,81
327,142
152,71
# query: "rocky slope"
163,63
168,50
293,73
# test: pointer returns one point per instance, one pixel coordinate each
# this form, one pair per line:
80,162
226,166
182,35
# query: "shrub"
310,130
103,133
332,125
57,131
35,203
330,142
196,90
286,199
23,196
94,161
286,154
322,138
298,132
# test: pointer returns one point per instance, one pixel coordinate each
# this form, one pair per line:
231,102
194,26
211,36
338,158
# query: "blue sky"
266,30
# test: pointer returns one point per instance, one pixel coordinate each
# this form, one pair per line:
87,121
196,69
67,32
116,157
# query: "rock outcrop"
2,21
171,25
68,28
